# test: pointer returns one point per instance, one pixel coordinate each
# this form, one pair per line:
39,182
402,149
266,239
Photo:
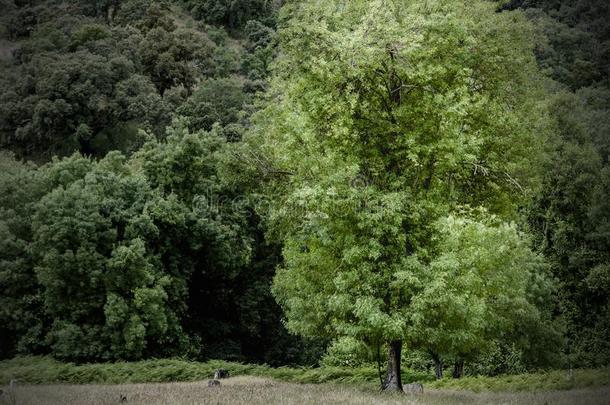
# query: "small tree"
475,291
385,116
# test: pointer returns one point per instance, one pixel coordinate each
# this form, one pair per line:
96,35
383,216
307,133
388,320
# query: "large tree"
384,116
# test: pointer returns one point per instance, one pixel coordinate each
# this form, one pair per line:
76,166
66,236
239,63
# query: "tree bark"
392,380
438,366
458,369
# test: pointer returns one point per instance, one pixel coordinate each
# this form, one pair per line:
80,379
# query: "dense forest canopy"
301,182
125,255
570,216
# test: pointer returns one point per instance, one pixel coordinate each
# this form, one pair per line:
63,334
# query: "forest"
421,184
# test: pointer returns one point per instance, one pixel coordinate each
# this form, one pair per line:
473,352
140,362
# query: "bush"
551,380
45,370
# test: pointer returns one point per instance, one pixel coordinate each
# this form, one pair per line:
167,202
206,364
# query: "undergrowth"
46,370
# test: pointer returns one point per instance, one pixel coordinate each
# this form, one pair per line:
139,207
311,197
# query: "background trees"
233,14
21,301
104,288
79,82
158,255
567,216
93,76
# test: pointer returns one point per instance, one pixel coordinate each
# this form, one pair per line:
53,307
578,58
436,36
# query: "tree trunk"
458,369
438,366
392,380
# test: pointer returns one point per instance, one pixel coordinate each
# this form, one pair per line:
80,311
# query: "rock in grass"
415,388
221,373
213,383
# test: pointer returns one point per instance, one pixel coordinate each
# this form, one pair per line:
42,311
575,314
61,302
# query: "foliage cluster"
88,79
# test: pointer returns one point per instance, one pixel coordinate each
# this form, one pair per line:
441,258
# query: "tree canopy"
395,115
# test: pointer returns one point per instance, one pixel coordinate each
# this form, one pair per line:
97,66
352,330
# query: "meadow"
42,380
256,390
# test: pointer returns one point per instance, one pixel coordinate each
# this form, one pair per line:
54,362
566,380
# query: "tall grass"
45,370
542,381
42,370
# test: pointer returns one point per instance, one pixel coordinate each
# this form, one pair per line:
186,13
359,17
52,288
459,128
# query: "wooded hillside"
307,183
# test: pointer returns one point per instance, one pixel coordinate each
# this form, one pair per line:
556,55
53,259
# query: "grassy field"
42,380
256,390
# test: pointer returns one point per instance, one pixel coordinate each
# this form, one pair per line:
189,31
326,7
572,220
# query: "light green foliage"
484,286
348,352
384,117
421,97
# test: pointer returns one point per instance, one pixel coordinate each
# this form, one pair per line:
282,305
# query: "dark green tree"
107,292
21,306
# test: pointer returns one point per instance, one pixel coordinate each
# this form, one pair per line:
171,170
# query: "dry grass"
255,390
